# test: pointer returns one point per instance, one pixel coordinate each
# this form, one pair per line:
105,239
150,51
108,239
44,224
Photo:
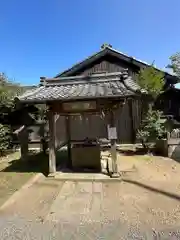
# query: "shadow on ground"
150,188
133,151
36,162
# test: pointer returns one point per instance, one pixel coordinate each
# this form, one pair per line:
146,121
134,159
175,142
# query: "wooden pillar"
68,135
52,149
113,146
133,134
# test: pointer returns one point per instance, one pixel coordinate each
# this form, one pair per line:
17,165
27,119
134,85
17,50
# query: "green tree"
151,80
152,127
5,138
175,64
8,90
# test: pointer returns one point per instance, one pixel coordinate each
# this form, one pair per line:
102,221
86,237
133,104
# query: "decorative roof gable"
107,50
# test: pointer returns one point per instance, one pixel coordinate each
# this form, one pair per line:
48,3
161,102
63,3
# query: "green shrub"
152,128
4,138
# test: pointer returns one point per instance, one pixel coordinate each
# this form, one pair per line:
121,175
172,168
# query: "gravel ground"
19,228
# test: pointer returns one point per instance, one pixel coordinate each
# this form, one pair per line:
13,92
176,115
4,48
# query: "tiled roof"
72,88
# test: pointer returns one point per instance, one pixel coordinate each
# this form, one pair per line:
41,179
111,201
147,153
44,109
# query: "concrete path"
53,209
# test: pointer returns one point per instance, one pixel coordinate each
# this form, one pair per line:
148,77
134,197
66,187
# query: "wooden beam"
68,135
52,149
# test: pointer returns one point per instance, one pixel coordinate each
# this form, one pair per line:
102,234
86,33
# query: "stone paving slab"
81,176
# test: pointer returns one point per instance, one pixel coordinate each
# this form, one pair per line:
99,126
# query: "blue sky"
44,37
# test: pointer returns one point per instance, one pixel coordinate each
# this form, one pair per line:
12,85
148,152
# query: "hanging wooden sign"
79,106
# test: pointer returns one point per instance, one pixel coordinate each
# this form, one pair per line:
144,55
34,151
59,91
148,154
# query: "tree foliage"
175,64
151,80
152,127
5,138
8,90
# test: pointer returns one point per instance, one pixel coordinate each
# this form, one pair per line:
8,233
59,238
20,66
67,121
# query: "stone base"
95,177
115,175
52,175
